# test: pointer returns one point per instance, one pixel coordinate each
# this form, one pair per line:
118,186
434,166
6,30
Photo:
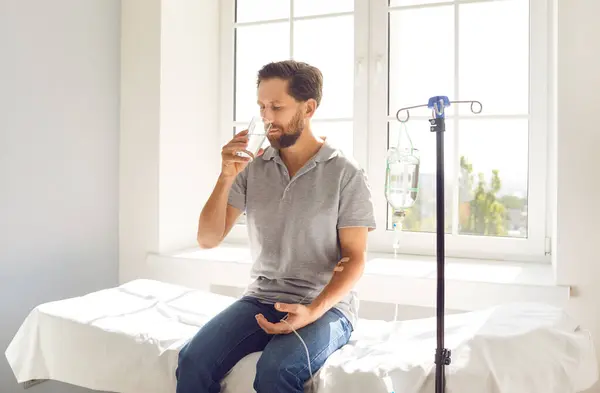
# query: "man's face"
285,113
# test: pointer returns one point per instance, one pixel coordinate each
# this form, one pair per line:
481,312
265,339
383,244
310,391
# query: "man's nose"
267,114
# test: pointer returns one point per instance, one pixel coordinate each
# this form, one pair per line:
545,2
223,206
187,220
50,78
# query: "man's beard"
290,133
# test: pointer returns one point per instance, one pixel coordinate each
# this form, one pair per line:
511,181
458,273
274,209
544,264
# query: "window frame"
533,248
361,54
371,123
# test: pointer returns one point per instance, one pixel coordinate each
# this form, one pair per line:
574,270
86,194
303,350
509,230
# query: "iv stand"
438,125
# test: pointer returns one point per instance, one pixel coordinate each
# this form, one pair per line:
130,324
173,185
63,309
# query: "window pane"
261,10
421,63
494,59
256,46
339,134
320,7
493,177
404,3
333,56
422,216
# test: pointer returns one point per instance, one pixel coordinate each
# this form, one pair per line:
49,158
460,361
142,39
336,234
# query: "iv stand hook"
476,108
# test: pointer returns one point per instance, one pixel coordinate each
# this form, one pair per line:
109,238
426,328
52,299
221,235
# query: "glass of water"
257,135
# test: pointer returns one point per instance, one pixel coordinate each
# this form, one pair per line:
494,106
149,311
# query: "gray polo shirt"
293,223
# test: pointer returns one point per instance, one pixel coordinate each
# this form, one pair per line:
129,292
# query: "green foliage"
486,213
481,211
513,202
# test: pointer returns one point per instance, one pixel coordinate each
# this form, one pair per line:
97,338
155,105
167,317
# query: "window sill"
406,280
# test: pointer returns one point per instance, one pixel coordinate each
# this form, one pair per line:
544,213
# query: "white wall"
169,135
59,141
139,137
578,159
189,153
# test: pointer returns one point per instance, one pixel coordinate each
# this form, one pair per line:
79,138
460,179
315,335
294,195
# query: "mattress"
127,339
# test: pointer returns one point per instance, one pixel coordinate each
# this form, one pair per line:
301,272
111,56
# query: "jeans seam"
222,358
305,366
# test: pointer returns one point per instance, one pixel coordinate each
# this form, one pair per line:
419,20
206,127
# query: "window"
380,55
263,31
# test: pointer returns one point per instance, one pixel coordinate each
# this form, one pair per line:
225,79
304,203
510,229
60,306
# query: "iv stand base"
442,358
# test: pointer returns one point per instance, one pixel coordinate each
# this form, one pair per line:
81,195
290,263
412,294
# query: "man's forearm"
211,225
340,284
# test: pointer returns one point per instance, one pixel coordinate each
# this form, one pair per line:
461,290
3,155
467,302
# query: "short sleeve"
237,193
356,203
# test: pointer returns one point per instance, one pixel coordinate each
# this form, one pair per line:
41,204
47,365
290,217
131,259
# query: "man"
308,210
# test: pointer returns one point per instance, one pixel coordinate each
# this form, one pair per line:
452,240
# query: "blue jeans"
234,333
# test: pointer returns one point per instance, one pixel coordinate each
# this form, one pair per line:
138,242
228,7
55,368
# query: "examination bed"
126,339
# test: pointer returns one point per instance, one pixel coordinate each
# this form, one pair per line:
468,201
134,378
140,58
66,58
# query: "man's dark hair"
304,81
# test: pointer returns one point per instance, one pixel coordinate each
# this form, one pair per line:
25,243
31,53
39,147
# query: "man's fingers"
237,140
263,323
293,308
231,158
231,154
239,160
234,146
272,328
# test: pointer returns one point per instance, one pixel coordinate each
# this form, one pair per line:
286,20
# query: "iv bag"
402,173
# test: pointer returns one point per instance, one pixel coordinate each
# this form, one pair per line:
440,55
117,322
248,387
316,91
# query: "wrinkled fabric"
127,339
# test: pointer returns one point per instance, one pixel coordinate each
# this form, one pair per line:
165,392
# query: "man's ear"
311,107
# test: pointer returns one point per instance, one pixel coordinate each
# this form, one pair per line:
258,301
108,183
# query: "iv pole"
438,125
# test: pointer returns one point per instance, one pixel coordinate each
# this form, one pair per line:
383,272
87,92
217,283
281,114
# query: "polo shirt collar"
325,153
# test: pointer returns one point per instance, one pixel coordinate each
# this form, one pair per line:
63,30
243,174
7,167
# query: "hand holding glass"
257,134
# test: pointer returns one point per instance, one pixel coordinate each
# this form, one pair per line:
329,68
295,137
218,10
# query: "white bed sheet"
127,339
